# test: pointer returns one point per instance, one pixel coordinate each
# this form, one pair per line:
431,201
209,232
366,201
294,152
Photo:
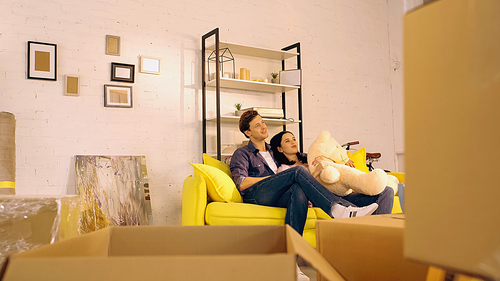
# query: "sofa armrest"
194,201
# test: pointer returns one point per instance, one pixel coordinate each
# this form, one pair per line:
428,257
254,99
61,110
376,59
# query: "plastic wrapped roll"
7,153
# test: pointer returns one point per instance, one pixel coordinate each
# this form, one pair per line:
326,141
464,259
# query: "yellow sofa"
201,206
196,210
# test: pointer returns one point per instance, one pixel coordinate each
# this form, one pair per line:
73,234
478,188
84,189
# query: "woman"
285,150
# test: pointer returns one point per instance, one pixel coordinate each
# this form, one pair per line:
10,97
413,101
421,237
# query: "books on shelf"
264,112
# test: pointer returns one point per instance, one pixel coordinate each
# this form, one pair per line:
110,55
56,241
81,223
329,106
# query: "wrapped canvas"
112,191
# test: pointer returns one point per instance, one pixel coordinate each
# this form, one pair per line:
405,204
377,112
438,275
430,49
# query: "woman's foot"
340,212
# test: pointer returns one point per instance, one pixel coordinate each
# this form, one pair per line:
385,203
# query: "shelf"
252,85
258,55
272,121
254,51
223,155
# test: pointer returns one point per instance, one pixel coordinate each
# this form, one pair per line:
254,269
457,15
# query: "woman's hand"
317,160
317,165
350,163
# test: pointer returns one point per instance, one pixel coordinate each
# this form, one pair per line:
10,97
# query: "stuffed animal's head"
327,147
337,177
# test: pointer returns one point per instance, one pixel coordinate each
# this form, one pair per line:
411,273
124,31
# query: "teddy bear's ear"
323,136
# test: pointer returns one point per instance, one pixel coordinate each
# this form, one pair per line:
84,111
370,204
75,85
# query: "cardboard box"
171,253
27,222
452,101
367,248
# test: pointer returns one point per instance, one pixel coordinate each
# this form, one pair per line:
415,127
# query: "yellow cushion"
218,213
398,175
359,159
208,160
396,208
220,187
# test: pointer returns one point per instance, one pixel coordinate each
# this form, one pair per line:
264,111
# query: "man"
253,168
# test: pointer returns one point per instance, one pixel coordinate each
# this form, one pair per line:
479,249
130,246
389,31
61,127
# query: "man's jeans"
292,188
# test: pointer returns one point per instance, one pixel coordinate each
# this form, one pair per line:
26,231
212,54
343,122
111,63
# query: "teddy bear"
340,178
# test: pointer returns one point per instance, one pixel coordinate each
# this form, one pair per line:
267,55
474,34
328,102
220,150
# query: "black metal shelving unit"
242,84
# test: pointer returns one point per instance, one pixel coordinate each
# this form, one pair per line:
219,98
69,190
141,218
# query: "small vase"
274,80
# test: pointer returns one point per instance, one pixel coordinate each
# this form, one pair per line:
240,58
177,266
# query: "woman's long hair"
279,156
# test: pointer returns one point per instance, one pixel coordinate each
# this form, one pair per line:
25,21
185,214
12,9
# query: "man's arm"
239,167
240,164
249,181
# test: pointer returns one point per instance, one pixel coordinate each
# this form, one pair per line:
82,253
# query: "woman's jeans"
292,188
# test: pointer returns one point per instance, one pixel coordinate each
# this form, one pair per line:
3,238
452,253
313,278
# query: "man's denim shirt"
247,162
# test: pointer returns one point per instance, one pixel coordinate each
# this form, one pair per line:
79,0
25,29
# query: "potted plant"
238,108
274,75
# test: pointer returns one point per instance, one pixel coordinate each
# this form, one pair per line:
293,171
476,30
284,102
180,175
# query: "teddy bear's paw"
371,183
329,175
339,190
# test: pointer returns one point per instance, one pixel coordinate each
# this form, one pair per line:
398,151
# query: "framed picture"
117,96
122,72
42,61
112,45
150,65
71,85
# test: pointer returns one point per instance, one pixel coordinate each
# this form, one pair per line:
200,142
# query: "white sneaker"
301,276
340,212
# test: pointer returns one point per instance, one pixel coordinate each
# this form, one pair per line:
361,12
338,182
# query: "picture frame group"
42,64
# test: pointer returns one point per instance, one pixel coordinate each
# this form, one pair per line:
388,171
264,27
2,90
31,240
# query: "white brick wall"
346,63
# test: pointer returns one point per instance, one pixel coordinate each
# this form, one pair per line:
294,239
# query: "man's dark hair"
245,120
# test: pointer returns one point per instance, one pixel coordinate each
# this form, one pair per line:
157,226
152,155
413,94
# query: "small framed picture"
112,45
71,85
122,72
150,65
42,61
117,96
